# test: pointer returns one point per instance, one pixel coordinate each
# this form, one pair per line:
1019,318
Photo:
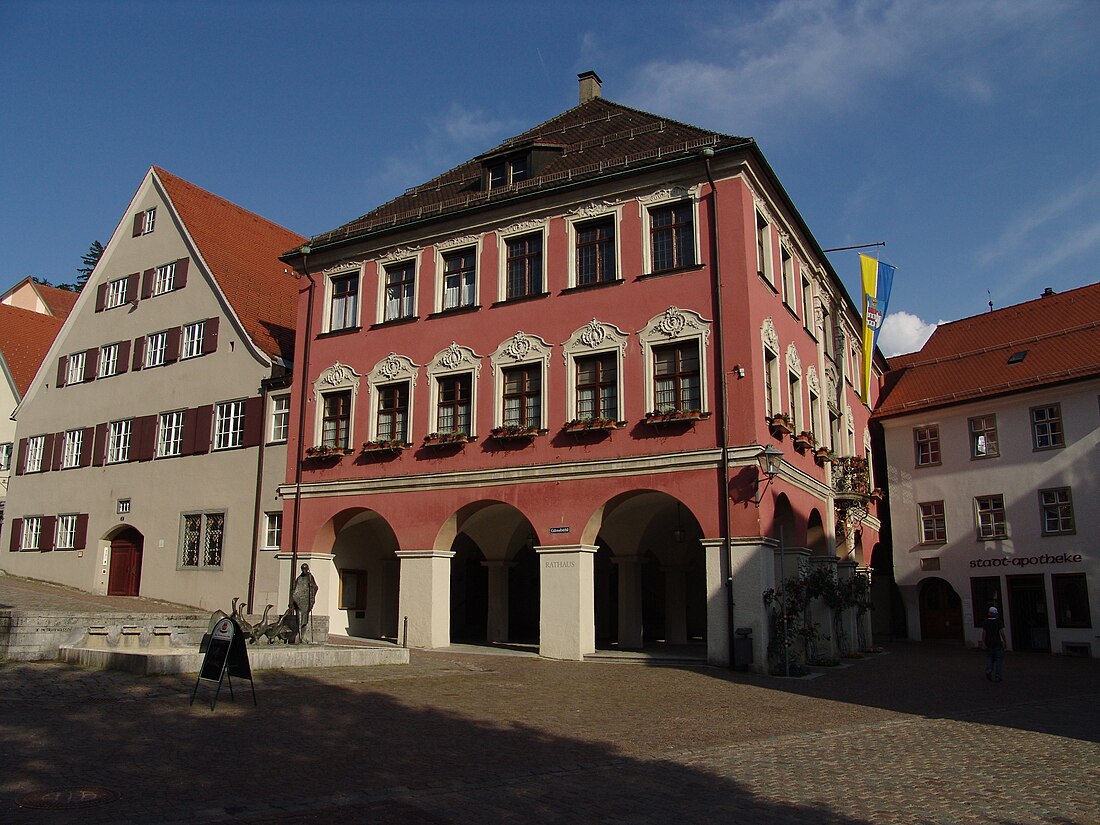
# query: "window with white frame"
336,420
229,425
164,280
594,248
672,236
983,436
70,453
933,522
118,441
807,303
273,531
989,514
191,339
786,262
5,456
148,221
764,249
36,445
520,367
794,397
1046,427
170,434
32,533
459,278
156,349
523,265
116,293
452,378
108,360
344,302
280,418
926,443
771,383
74,374
66,531
202,539
393,412
400,290
1056,508
594,382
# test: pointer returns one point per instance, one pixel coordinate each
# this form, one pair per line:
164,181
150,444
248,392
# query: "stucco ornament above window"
594,209
338,376
522,347
677,323
794,363
669,193
769,336
455,358
451,243
392,368
595,335
401,253
811,380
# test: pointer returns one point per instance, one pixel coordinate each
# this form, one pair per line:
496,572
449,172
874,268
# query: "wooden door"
940,611
125,574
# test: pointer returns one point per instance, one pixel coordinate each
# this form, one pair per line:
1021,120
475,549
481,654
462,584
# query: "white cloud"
903,332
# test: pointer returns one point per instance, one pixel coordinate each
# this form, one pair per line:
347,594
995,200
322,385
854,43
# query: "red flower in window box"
514,431
385,445
446,439
581,425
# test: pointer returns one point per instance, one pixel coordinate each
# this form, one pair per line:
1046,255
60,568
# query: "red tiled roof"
969,359
242,250
60,301
597,138
25,338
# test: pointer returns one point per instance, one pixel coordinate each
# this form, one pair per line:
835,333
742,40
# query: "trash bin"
742,648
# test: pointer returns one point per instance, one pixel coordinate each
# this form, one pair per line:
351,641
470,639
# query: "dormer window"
505,172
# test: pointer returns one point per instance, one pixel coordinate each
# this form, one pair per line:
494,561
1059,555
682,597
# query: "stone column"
567,616
496,624
863,625
822,614
845,572
740,569
425,597
675,629
630,601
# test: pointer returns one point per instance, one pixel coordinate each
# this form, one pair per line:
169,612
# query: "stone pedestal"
630,601
496,625
567,624
425,597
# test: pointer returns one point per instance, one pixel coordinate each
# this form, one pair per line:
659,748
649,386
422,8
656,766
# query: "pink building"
534,392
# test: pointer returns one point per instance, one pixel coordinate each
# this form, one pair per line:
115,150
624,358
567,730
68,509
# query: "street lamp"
768,460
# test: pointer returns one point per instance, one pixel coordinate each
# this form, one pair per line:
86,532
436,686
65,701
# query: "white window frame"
108,361
656,200
74,372
191,339
273,530
229,424
405,306
991,536
769,343
330,279
521,350
6,450
65,537
591,213
336,378
517,230
116,293
593,339
149,220
453,361
170,434
674,326
119,434
70,454
794,388
156,350
36,446
447,249
393,369
203,537
936,517
807,300
31,538
786,274
279,419
164,278
763,232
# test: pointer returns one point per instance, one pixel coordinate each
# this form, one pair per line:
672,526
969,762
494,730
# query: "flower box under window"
805,441
823,455
440,440
590,425
323,453
390,446
658,417
510,432
780,425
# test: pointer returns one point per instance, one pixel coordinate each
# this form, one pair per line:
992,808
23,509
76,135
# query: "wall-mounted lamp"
739,371
768,460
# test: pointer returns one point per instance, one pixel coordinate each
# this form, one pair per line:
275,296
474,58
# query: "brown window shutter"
86,439
16,534
80,539
99,445
253,422
210,335
62,369
100,297
58,451
203,418
49,529
139,353
145,437
91,364
123,363
21,461
139,224
47,451
132,287
147,283
172,350
181,274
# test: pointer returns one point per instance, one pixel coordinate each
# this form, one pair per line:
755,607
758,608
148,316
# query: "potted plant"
321,452
780,424
514,431
580,425
675,416
804,441
446,439
385,445
823,455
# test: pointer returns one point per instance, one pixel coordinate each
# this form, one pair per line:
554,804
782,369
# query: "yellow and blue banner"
877,279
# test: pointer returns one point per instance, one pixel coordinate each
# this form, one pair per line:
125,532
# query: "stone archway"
816,541
367,576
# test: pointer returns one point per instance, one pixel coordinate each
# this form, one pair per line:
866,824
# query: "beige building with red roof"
992,438
149,444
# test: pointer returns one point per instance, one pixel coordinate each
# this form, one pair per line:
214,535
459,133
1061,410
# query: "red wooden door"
125,575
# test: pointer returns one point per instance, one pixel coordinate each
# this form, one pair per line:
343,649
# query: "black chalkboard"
226,655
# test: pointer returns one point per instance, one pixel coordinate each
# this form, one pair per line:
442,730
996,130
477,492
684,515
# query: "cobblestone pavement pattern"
914,735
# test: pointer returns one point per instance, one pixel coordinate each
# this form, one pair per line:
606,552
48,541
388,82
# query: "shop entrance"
1027,610
125,576
940,612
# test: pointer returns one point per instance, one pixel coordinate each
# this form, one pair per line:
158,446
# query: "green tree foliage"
89,259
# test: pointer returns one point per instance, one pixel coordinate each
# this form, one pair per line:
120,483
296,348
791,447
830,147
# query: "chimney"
1047,292
590,86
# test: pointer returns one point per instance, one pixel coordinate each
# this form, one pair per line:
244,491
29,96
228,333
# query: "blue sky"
962,133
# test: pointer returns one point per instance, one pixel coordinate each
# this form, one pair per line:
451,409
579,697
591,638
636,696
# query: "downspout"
723,418
305,250
259,503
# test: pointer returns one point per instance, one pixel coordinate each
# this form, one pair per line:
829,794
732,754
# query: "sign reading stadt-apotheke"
1027,561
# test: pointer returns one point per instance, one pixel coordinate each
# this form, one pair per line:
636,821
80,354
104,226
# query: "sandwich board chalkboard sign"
226,657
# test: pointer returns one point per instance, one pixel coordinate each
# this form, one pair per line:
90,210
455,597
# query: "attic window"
1018,356
505,172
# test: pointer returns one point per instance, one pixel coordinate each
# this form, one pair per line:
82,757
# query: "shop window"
1071,600
985,592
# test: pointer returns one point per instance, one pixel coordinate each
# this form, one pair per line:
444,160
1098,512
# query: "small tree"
89,259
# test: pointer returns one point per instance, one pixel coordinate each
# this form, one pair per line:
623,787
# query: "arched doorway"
469,591
369,576
125,570
940,611
816,541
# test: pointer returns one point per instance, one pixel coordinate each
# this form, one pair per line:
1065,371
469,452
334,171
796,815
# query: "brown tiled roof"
242,250
969,359
60,301
25,337
597,138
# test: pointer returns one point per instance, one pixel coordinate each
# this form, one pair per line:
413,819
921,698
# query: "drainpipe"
259,502
308,337
723,418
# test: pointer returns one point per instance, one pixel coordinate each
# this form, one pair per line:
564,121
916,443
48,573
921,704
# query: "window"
336,421
524,266
595,251
108,360
165,279
771,383
807,304
75,372
522,396
1046,427
459,269
502,173
1056,511
985,592
933,523
122,506
170,434
273,530
453,407
393,412
202,540
400,290
5,456
36,446
191,341
990,513
118,441
229,425
32,533
794,397
344,303
66,532
280,418
983,436
1071,600
787,267
764,249
145,221
116,293
353,590
70,454
829,331
597,387
156,349
815,415
927,443
672,236
676,377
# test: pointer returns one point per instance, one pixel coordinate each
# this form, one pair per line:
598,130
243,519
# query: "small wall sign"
559,529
